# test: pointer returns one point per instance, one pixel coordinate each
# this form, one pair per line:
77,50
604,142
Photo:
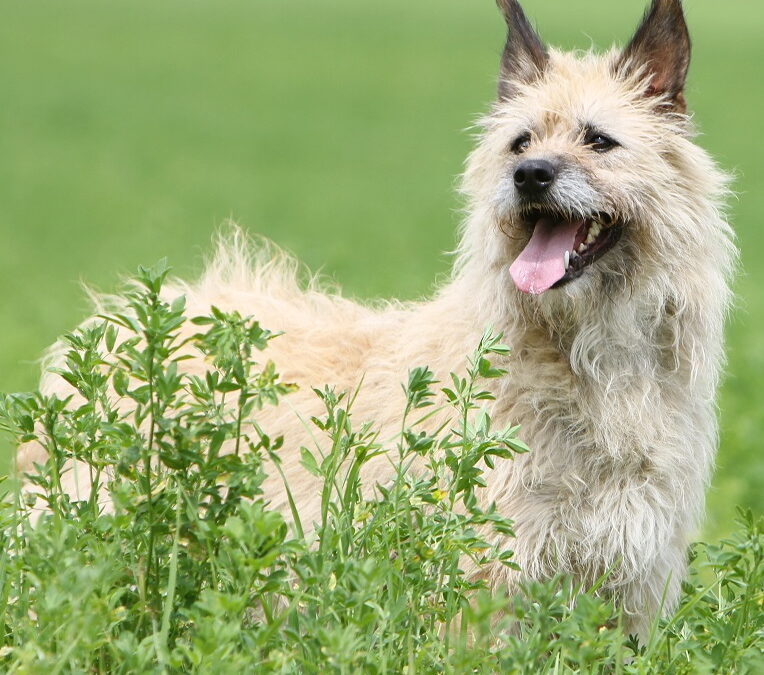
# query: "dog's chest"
579,428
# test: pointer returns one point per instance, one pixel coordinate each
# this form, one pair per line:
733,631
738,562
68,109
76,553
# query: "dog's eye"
598,141
521,144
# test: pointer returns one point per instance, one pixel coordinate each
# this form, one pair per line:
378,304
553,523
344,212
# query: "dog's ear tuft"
661,50
524,57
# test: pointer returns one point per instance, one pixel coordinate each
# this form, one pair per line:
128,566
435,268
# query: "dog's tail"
244,261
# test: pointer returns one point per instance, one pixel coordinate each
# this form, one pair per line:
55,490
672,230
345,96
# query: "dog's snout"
534,176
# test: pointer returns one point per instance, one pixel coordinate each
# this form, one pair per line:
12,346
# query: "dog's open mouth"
560,249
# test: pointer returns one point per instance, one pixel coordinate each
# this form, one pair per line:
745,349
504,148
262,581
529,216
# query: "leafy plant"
171,560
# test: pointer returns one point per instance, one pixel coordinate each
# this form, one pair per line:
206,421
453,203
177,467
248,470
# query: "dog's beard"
607,278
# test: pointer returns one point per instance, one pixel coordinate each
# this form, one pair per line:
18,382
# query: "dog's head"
586,169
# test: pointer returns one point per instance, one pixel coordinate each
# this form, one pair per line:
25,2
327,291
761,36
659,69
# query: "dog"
596,241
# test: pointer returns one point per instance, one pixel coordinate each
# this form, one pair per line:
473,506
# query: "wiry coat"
612,376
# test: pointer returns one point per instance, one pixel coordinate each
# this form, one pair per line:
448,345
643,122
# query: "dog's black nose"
534,176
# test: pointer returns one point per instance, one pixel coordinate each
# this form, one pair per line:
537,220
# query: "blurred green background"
130,129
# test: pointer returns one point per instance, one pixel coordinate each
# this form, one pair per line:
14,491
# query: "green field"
130,129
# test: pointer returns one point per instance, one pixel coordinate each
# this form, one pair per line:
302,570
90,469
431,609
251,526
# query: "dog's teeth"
594,231
567,259
582,248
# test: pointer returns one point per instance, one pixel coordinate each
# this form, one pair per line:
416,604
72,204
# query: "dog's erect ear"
525,56
661,47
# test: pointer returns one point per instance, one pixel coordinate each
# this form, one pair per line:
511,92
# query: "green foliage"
135,126
172,561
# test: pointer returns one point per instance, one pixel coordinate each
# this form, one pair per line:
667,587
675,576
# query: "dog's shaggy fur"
613,375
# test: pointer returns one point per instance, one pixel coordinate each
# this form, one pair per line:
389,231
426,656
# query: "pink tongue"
542,263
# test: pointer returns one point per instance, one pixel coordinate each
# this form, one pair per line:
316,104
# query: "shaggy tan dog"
596,243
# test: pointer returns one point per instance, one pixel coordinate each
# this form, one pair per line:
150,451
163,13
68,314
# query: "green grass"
130,129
